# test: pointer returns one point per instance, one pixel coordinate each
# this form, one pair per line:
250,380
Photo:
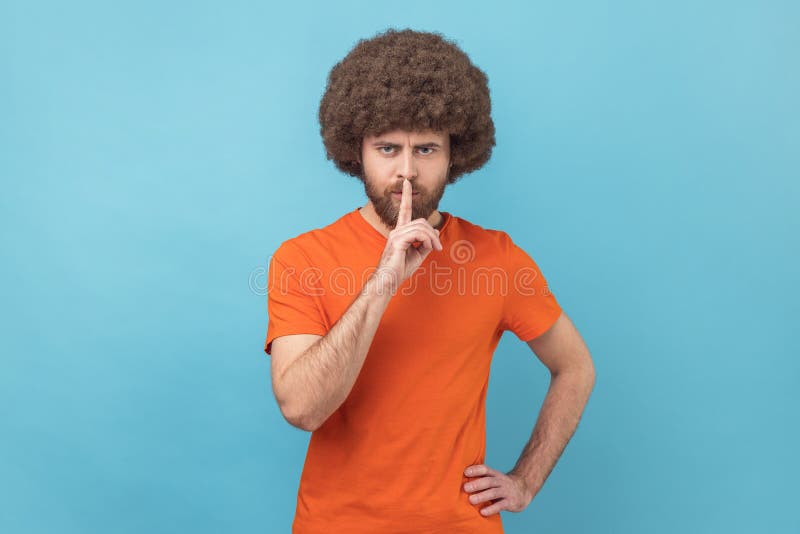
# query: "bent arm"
315,383
563,351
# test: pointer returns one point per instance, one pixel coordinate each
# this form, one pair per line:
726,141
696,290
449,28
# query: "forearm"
325,373
557,421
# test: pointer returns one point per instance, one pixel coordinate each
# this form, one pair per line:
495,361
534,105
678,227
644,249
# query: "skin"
401,155
400,257
422,158
312,374
409,223
572,376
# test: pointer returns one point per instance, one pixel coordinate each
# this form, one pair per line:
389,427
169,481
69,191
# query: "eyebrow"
429,144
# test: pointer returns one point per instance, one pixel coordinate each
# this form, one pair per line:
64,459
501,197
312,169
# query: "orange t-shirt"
391,458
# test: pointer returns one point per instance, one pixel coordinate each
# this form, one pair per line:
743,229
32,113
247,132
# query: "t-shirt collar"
378,237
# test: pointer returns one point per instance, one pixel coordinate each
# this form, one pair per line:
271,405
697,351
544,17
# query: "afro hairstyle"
407,80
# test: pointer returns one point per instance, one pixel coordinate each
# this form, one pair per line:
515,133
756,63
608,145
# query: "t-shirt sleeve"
293,294
529,308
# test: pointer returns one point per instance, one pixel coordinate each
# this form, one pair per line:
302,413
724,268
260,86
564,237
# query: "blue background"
154,155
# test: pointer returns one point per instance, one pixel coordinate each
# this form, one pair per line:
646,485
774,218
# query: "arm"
572,374
564,353
316,382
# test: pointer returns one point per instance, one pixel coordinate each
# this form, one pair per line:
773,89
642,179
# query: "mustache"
399,189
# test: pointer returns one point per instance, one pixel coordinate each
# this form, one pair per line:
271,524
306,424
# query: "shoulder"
494,244
497,239
305,245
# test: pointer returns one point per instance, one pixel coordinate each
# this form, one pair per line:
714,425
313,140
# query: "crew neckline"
380,238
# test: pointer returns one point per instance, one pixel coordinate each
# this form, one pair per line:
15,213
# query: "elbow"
294,409
304,423
583,372
590,375
586,370
592,378
298,418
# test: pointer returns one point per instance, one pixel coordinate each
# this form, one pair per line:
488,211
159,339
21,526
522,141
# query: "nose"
407,165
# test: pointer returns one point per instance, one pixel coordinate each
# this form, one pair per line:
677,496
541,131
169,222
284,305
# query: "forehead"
411,137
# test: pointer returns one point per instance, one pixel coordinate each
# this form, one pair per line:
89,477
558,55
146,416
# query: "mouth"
400,193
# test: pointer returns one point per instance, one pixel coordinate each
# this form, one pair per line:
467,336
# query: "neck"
436,219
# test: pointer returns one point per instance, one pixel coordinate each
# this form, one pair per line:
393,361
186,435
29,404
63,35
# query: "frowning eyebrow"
429,144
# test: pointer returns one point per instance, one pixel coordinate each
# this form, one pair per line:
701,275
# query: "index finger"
404,215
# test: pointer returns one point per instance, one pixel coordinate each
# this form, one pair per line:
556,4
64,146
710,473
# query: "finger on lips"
404,218
404,215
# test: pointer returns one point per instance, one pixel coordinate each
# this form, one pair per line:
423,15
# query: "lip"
401,193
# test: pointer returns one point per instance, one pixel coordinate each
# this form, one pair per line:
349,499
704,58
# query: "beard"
387,208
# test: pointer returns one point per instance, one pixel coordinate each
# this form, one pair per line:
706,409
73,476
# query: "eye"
386,146
426,148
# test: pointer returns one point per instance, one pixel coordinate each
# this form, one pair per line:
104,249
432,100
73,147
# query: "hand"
400,258
506,491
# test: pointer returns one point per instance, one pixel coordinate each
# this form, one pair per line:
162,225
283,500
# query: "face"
422,157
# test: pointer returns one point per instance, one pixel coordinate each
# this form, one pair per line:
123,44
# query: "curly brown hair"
407,80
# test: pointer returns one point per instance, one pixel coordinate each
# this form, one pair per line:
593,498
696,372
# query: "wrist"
380,287
382,284
530,485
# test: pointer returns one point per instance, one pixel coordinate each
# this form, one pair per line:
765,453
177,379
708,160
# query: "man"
382,324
